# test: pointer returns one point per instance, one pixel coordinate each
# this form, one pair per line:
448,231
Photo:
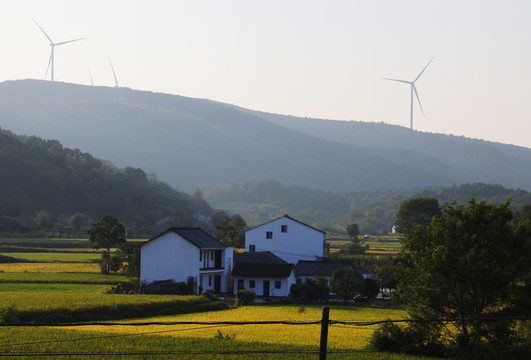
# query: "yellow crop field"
339,336
50,267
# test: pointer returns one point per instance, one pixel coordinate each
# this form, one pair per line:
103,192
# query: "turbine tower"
413,90
114,74
53,45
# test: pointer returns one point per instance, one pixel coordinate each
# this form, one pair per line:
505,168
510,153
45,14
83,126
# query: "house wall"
300,242
285,285
169,257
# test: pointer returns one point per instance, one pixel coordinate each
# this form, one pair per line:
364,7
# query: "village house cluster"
278,254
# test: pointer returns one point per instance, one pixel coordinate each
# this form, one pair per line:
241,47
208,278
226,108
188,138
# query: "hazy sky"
322,59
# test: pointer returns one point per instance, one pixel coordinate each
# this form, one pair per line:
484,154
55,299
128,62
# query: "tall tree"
353,231
416,211
231,231
105,234
467,265
344,282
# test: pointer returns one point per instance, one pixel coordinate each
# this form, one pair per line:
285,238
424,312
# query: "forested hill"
40,175
188,142
373,211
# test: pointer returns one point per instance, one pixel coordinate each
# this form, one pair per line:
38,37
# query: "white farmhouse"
287,238
184,255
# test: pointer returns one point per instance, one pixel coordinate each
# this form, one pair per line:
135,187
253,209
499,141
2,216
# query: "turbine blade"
69,41
424,69
418,99
90,74
402,81
49,62
44,32
114,74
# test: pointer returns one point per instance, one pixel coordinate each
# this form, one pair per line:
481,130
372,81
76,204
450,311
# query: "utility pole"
324,334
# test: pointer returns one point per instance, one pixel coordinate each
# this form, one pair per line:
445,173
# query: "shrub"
222,336
389,337
8,315
209,295
244,297
312,289
125,287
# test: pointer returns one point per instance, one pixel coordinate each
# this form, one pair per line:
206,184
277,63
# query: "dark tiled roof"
262,270
258,257
196,236
289,217
320,268
261,264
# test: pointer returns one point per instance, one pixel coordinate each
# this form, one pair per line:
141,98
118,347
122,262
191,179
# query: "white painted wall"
285,285
169,257
300,242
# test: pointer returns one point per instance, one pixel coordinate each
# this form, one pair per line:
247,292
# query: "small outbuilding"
264,273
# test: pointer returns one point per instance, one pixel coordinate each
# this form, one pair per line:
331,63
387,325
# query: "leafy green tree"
129,258
344,282
77,221
105,234
369,287
231,231
353,231
416,211
354,249
467,265
45,219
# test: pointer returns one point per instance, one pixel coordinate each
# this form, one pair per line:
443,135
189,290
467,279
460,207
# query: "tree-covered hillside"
39,177
188,142
373,211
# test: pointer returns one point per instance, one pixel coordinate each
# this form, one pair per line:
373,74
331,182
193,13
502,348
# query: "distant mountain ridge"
189,142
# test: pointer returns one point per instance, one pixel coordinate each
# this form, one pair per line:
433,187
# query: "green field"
67,257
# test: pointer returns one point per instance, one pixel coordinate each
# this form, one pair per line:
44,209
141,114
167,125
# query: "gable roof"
262,270
196,236
288,217
321,267
258,257
261,264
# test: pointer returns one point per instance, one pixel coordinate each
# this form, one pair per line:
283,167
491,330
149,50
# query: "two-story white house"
287,238
184,254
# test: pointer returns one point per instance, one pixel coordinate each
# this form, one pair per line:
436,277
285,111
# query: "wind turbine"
53,45
413,90
114,74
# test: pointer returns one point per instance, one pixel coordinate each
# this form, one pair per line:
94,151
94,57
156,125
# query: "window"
251,284
284,228
298,281
252,248
269,235
211,255
277,284
200,255
240,284
209,280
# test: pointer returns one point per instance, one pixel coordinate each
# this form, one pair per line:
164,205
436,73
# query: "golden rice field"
339,336
50,268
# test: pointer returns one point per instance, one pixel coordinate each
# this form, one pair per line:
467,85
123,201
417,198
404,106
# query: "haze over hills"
188,142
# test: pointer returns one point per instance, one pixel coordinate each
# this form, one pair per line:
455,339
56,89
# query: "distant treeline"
373,211
42,185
